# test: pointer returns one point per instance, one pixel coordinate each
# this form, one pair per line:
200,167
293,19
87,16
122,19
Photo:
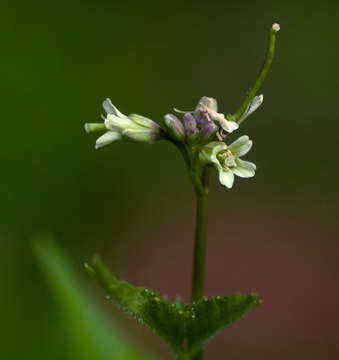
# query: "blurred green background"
275,234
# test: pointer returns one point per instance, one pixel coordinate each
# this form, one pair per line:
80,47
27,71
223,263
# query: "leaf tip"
256,300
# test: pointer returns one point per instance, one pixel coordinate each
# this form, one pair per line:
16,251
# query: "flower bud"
208,131
115,123
252,106
276,27
174,127
142,135
189,121
192,134
191,127
143,121
200,110
107,138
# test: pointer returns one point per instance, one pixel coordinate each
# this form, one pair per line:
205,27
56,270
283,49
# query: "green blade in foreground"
91,335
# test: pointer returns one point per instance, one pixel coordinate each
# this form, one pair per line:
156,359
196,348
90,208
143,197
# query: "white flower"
212,114
226,159
115,120
227,125
133,127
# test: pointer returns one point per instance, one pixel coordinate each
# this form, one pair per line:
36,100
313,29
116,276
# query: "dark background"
275,234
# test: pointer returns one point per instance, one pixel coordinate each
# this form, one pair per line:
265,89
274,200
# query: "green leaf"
185,328
144,305
209,316
91,335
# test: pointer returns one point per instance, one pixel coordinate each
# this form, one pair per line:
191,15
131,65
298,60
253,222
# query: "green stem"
198,276
262,74
200,247
200,182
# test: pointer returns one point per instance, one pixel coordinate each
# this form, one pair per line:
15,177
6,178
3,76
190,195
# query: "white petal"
113,122
252,106
91,127
226,178
144,135
143,121
227,125
208,153
246,164
182,111
111,109
241,146
107,138
207,102
216,149
245,169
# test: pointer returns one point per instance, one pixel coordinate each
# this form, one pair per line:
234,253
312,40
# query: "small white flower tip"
99,145
107,123
261,98
86,128
276,27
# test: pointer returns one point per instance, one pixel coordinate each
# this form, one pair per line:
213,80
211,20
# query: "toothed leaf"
144,305
209,316
185,328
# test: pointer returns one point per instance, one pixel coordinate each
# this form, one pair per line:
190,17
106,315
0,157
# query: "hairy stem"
262,74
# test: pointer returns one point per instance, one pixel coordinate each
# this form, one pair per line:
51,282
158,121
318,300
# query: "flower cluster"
200,125
204,129
204,126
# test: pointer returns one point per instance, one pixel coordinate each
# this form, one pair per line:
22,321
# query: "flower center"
227,159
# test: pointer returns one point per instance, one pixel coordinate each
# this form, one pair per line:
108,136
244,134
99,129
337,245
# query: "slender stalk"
200,247
262,74
198,275
200,181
